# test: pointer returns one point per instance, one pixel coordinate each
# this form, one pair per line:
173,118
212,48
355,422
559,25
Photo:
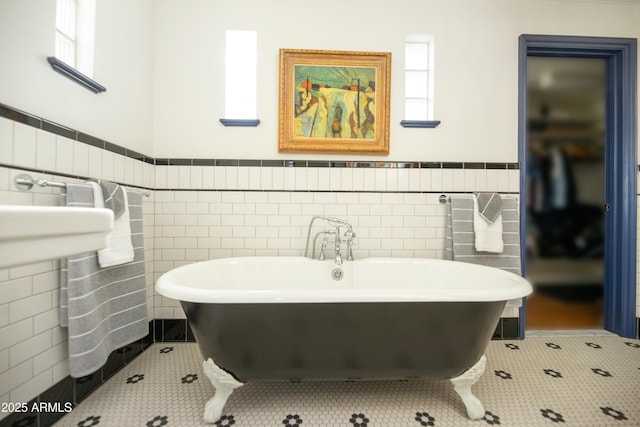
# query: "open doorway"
565,174
621,167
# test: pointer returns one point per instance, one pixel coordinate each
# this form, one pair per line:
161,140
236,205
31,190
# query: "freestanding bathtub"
294,318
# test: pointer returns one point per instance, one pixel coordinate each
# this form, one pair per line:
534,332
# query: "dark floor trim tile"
86,385
27,417
114,363
510,328
507,329
190,336
157,330
497,333
69,392
174,330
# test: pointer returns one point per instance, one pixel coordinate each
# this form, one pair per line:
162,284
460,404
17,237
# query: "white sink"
37,233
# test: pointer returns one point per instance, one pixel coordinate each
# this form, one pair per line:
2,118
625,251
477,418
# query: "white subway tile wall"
33,347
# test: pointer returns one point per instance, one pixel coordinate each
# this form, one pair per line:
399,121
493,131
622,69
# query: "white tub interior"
302,280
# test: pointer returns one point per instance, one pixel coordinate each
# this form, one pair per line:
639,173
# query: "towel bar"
26,182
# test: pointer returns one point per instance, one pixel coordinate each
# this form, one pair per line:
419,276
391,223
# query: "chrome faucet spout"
338,255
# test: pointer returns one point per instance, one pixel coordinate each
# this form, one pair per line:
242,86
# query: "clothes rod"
26,182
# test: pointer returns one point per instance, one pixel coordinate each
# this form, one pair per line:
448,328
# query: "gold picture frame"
334,101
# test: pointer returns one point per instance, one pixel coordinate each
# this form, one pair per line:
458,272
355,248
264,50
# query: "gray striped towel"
489,206
104,308
460,238
113,196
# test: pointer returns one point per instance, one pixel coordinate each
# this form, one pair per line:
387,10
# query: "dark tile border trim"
44,124
55,128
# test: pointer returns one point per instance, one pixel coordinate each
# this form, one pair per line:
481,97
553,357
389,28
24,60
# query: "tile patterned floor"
540,381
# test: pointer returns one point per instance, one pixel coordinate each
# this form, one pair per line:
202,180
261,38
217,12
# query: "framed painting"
334,101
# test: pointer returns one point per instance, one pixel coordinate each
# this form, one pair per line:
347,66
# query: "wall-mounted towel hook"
443,198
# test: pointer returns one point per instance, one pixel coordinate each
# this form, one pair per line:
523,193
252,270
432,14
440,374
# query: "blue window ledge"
74,75
240,122
426,124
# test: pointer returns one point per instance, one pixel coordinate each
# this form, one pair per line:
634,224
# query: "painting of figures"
334,101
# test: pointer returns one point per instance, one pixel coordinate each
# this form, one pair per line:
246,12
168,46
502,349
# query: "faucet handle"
349,236
322,247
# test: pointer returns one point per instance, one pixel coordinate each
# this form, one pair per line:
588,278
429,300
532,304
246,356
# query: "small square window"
241,75
418,77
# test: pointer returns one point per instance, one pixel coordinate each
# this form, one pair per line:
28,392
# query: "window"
75,22
418,60
241,75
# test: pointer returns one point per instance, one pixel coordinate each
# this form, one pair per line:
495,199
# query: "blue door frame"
621,169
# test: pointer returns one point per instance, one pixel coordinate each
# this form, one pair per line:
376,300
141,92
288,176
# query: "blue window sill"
74,75
425,124
240,122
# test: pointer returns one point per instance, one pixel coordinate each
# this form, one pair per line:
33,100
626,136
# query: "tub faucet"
336,224
337,242
349,237
322,248
324,242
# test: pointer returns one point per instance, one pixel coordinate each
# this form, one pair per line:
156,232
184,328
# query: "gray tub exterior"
337,341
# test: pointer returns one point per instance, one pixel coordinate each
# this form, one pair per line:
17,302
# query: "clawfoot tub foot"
462,386
224,384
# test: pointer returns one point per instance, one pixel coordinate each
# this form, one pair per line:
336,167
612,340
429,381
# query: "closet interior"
565,172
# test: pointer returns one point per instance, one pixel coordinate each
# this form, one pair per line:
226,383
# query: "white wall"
162,62
476,61
123,52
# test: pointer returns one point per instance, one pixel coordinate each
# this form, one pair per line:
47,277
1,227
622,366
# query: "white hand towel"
119,249
488,236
